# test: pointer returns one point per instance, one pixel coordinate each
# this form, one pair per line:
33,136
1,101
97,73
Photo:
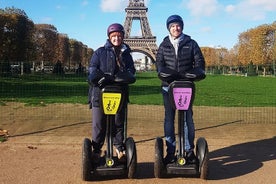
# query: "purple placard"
182,98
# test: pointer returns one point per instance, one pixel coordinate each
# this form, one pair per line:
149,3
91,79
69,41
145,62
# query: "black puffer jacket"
189,56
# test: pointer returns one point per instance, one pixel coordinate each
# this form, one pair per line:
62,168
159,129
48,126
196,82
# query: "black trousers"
99,128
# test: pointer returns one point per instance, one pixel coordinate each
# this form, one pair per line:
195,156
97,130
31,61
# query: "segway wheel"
203,157
204,169
158,163
131,157
86,160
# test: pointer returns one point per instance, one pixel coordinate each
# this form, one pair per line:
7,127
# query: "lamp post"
42,62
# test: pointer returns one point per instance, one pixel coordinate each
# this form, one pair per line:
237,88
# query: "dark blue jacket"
104,59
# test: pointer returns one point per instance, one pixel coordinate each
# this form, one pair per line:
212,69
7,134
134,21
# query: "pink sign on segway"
182,98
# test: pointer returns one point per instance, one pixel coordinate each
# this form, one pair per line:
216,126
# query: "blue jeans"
169,128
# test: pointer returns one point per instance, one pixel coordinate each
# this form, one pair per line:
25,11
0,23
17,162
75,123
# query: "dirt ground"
45,144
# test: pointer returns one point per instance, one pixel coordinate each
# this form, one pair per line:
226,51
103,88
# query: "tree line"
255,53
37,46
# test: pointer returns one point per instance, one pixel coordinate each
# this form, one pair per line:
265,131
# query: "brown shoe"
120,154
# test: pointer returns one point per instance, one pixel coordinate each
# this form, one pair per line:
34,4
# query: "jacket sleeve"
199,61
128,60
130,64
198,71
94,73
159,63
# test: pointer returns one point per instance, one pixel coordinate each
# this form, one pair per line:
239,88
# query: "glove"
125,77
187,76
196,74
95,76
105,80
167,75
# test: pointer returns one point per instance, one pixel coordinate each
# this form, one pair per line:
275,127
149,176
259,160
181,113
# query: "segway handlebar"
100,79
169,75
124,77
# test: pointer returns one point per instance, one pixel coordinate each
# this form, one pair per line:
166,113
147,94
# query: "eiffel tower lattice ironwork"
146,43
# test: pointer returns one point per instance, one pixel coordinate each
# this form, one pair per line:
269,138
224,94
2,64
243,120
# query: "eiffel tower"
146,43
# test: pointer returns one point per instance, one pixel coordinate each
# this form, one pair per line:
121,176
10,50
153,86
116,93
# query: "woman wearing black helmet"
105,63
178,54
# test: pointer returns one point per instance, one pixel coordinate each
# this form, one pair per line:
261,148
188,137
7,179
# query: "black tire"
202,153
131,157
158,162
86,160
204,168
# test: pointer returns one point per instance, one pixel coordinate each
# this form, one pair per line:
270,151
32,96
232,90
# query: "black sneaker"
96,155
170,158
190,157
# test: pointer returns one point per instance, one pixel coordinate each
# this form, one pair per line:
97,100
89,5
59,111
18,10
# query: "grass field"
215,90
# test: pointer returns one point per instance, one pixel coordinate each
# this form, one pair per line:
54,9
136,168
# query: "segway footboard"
185,170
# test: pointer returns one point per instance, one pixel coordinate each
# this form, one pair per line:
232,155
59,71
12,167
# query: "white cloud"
58,7
202,7
267,5
252,9
46,20
113,5
82,16
230,8
206,29
246,9
146,2
84,3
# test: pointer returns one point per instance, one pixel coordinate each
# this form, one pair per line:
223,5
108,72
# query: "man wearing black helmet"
107,61
178,55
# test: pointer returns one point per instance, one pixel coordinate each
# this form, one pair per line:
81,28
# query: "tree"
5,67
22,41
15,34
244,48
63,50
46,37
209,56
256,45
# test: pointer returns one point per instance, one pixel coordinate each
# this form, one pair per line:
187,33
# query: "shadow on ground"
230,162
240,159
144,170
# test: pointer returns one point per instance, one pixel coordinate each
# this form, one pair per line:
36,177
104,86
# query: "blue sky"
214,23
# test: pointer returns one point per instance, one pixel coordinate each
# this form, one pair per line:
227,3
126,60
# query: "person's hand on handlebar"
105,80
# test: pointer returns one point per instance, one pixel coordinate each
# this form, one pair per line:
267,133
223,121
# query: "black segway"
109,165
181,94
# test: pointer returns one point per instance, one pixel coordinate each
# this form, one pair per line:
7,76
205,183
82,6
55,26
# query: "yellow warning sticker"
111,102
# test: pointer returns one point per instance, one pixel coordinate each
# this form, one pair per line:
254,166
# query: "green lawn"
215,90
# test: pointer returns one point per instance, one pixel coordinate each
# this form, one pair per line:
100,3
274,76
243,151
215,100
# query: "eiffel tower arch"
146,43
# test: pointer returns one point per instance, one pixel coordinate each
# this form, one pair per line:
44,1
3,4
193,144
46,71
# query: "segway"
181,95
113,98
